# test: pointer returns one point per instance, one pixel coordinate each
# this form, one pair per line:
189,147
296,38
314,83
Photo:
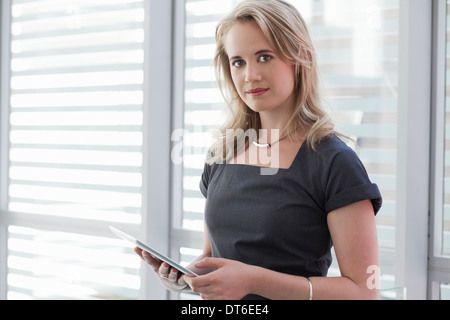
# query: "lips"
257,92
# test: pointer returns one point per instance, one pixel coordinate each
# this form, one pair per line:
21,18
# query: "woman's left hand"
232,280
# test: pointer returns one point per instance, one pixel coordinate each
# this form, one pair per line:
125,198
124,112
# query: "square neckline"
299,152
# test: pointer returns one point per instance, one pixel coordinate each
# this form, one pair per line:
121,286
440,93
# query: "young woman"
270,235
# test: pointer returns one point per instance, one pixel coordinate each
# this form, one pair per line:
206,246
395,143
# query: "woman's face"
264,82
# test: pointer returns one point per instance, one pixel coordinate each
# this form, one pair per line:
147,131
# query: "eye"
265,58
238,63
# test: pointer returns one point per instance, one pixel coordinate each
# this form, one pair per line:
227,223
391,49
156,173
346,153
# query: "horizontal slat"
24,8
80,69
70,99
74,166
95,47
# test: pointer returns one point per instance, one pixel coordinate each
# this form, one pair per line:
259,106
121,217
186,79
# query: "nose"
253,74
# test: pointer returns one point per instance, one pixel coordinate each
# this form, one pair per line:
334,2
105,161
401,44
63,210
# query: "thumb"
213,263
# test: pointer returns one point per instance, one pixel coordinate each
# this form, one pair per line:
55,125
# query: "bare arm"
354,235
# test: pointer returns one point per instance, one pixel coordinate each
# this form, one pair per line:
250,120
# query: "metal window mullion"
178,107
157,132
5,39
413,147
437,264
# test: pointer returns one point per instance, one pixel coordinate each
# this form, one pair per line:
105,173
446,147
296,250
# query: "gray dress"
279,222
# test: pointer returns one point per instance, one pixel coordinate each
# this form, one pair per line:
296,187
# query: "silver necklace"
263,146
266,145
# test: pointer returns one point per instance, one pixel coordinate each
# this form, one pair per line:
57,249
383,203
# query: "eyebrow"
256,54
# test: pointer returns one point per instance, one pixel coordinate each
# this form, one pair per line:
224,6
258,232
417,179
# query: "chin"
259,109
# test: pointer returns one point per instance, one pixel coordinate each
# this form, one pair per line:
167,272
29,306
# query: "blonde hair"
288,34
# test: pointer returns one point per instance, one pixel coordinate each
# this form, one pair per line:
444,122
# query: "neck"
273,128
270,121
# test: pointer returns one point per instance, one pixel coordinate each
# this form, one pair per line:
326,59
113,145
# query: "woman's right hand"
169,277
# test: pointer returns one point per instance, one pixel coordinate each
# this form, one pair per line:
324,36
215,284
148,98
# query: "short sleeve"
347,182
204,181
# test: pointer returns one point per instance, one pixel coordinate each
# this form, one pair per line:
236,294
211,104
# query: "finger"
199,284
152,257
206,291
173,275
139,252
164,270
187,280
152,261
213,263
209,296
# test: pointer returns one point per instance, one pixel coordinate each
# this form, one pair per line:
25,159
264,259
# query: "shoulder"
333,149
343,176
333,145
337,163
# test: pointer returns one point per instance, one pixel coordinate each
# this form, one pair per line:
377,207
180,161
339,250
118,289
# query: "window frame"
438,265
5,20
156,181
413,154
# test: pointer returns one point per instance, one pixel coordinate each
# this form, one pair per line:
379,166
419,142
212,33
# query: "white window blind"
61,265
357,44
75,143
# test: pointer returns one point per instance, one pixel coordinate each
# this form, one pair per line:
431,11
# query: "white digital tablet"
152,251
